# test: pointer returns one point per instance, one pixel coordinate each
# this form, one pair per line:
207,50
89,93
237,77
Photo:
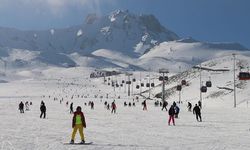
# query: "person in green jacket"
78,123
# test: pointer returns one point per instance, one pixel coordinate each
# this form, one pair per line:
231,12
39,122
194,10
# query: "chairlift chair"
203,89
244,76
142,84
209,84
179,87
152,85
183,82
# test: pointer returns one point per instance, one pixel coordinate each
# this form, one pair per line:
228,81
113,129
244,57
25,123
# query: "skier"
21,105
92,105
189,106
113,107
125,104
43,110
164,106
171,113
199,104
144,104
108,107
177,110
26,105
78,123
197,112
174,103
71,108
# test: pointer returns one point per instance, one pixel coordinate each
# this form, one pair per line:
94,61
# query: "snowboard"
86,143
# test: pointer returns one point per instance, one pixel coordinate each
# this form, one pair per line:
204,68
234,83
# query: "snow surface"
223,126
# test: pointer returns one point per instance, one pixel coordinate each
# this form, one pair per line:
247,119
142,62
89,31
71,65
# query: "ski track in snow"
131,128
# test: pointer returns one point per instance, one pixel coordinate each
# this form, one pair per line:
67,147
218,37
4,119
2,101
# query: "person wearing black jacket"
164,106
43,110
21,105
71,111
171,113
197,112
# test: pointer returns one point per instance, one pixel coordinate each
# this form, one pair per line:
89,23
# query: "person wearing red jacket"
78,123
171,113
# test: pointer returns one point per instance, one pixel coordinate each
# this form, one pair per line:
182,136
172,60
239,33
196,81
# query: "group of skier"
27,104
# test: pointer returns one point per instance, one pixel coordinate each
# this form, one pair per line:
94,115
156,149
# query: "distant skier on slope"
189,106
199,104
78,123
43,110
177,110
71,108
171,113
144,104
197,112
21,107
113,107
164,106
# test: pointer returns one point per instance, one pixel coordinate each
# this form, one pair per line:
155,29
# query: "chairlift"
161,78
244,76
203,89
121,85
209,84
117,85
152,85
142,84
134,80
128,82
179,87
166,78
108,83
123,81
137,86
147,85
183,82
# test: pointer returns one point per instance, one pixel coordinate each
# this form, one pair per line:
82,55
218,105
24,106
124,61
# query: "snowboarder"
144,104
43,110
71,108
113,107
171,113
164,106
197,112
78,123
189,106
21,105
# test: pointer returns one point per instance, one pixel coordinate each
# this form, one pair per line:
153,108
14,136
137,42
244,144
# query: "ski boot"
72,142
82,142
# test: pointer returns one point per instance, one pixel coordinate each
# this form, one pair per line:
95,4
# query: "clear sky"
205,20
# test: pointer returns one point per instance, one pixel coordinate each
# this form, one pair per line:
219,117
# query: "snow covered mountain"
120,39
120,31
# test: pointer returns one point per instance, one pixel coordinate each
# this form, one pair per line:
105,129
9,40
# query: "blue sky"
205,20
